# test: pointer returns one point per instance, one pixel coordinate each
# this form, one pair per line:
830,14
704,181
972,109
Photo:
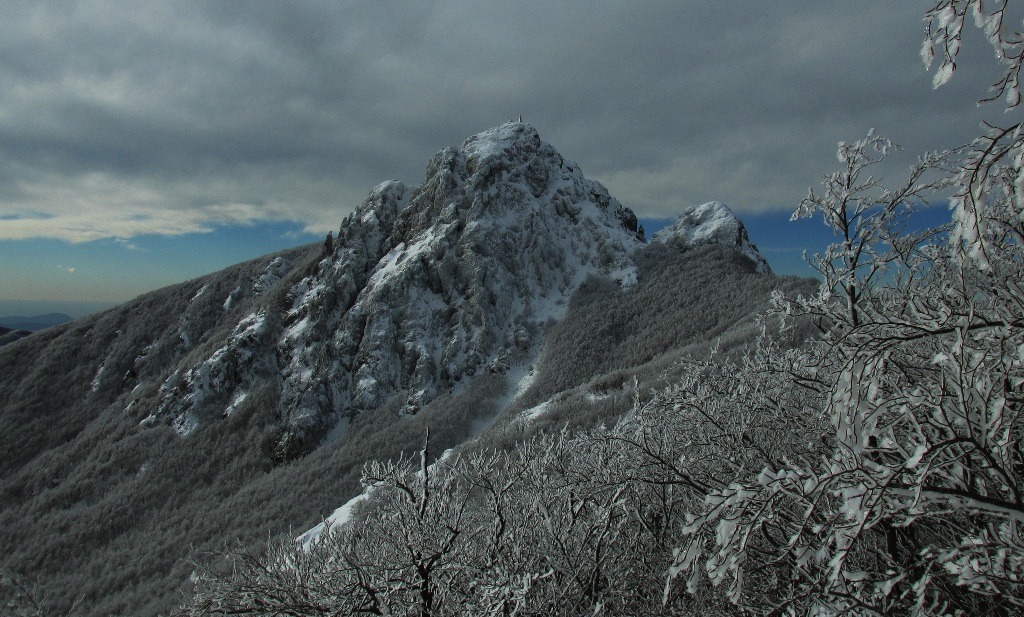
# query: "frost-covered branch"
944,35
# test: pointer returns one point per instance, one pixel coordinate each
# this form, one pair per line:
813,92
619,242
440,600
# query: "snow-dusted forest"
523,407
877,469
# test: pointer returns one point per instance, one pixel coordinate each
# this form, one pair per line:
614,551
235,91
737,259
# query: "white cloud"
126,244
99,206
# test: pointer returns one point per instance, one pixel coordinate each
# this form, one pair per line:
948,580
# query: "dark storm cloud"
118,119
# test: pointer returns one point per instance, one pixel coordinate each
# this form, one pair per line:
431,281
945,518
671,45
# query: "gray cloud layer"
118,119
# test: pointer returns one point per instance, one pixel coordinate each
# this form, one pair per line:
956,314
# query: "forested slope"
876,469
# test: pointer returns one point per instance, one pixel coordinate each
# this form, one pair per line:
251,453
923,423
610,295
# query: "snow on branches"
918,508
876,470
944,33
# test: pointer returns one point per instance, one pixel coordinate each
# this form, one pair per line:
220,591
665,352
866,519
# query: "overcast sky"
133,133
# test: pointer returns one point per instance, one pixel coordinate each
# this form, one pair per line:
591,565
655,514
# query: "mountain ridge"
33,322
244,403
427,286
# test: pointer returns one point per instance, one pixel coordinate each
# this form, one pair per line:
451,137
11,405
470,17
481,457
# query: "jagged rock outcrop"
427,286
711,223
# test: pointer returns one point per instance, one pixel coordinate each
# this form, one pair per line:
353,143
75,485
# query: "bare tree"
918,508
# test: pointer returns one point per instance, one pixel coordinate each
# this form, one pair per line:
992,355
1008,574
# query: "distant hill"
35,322
8,335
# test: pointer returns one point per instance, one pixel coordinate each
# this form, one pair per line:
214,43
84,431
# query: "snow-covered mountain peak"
425,288
509,168
711,223
428,287
500,140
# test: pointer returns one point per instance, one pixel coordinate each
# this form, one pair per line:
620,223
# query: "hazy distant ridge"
34,322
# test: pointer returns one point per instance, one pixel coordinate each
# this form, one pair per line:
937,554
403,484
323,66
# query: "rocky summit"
427,286
712,223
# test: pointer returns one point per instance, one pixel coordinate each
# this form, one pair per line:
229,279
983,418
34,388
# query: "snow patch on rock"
97,380
199,293
531,414
228,369
272,274
337,518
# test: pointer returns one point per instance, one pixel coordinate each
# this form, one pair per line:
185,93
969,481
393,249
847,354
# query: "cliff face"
425,288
